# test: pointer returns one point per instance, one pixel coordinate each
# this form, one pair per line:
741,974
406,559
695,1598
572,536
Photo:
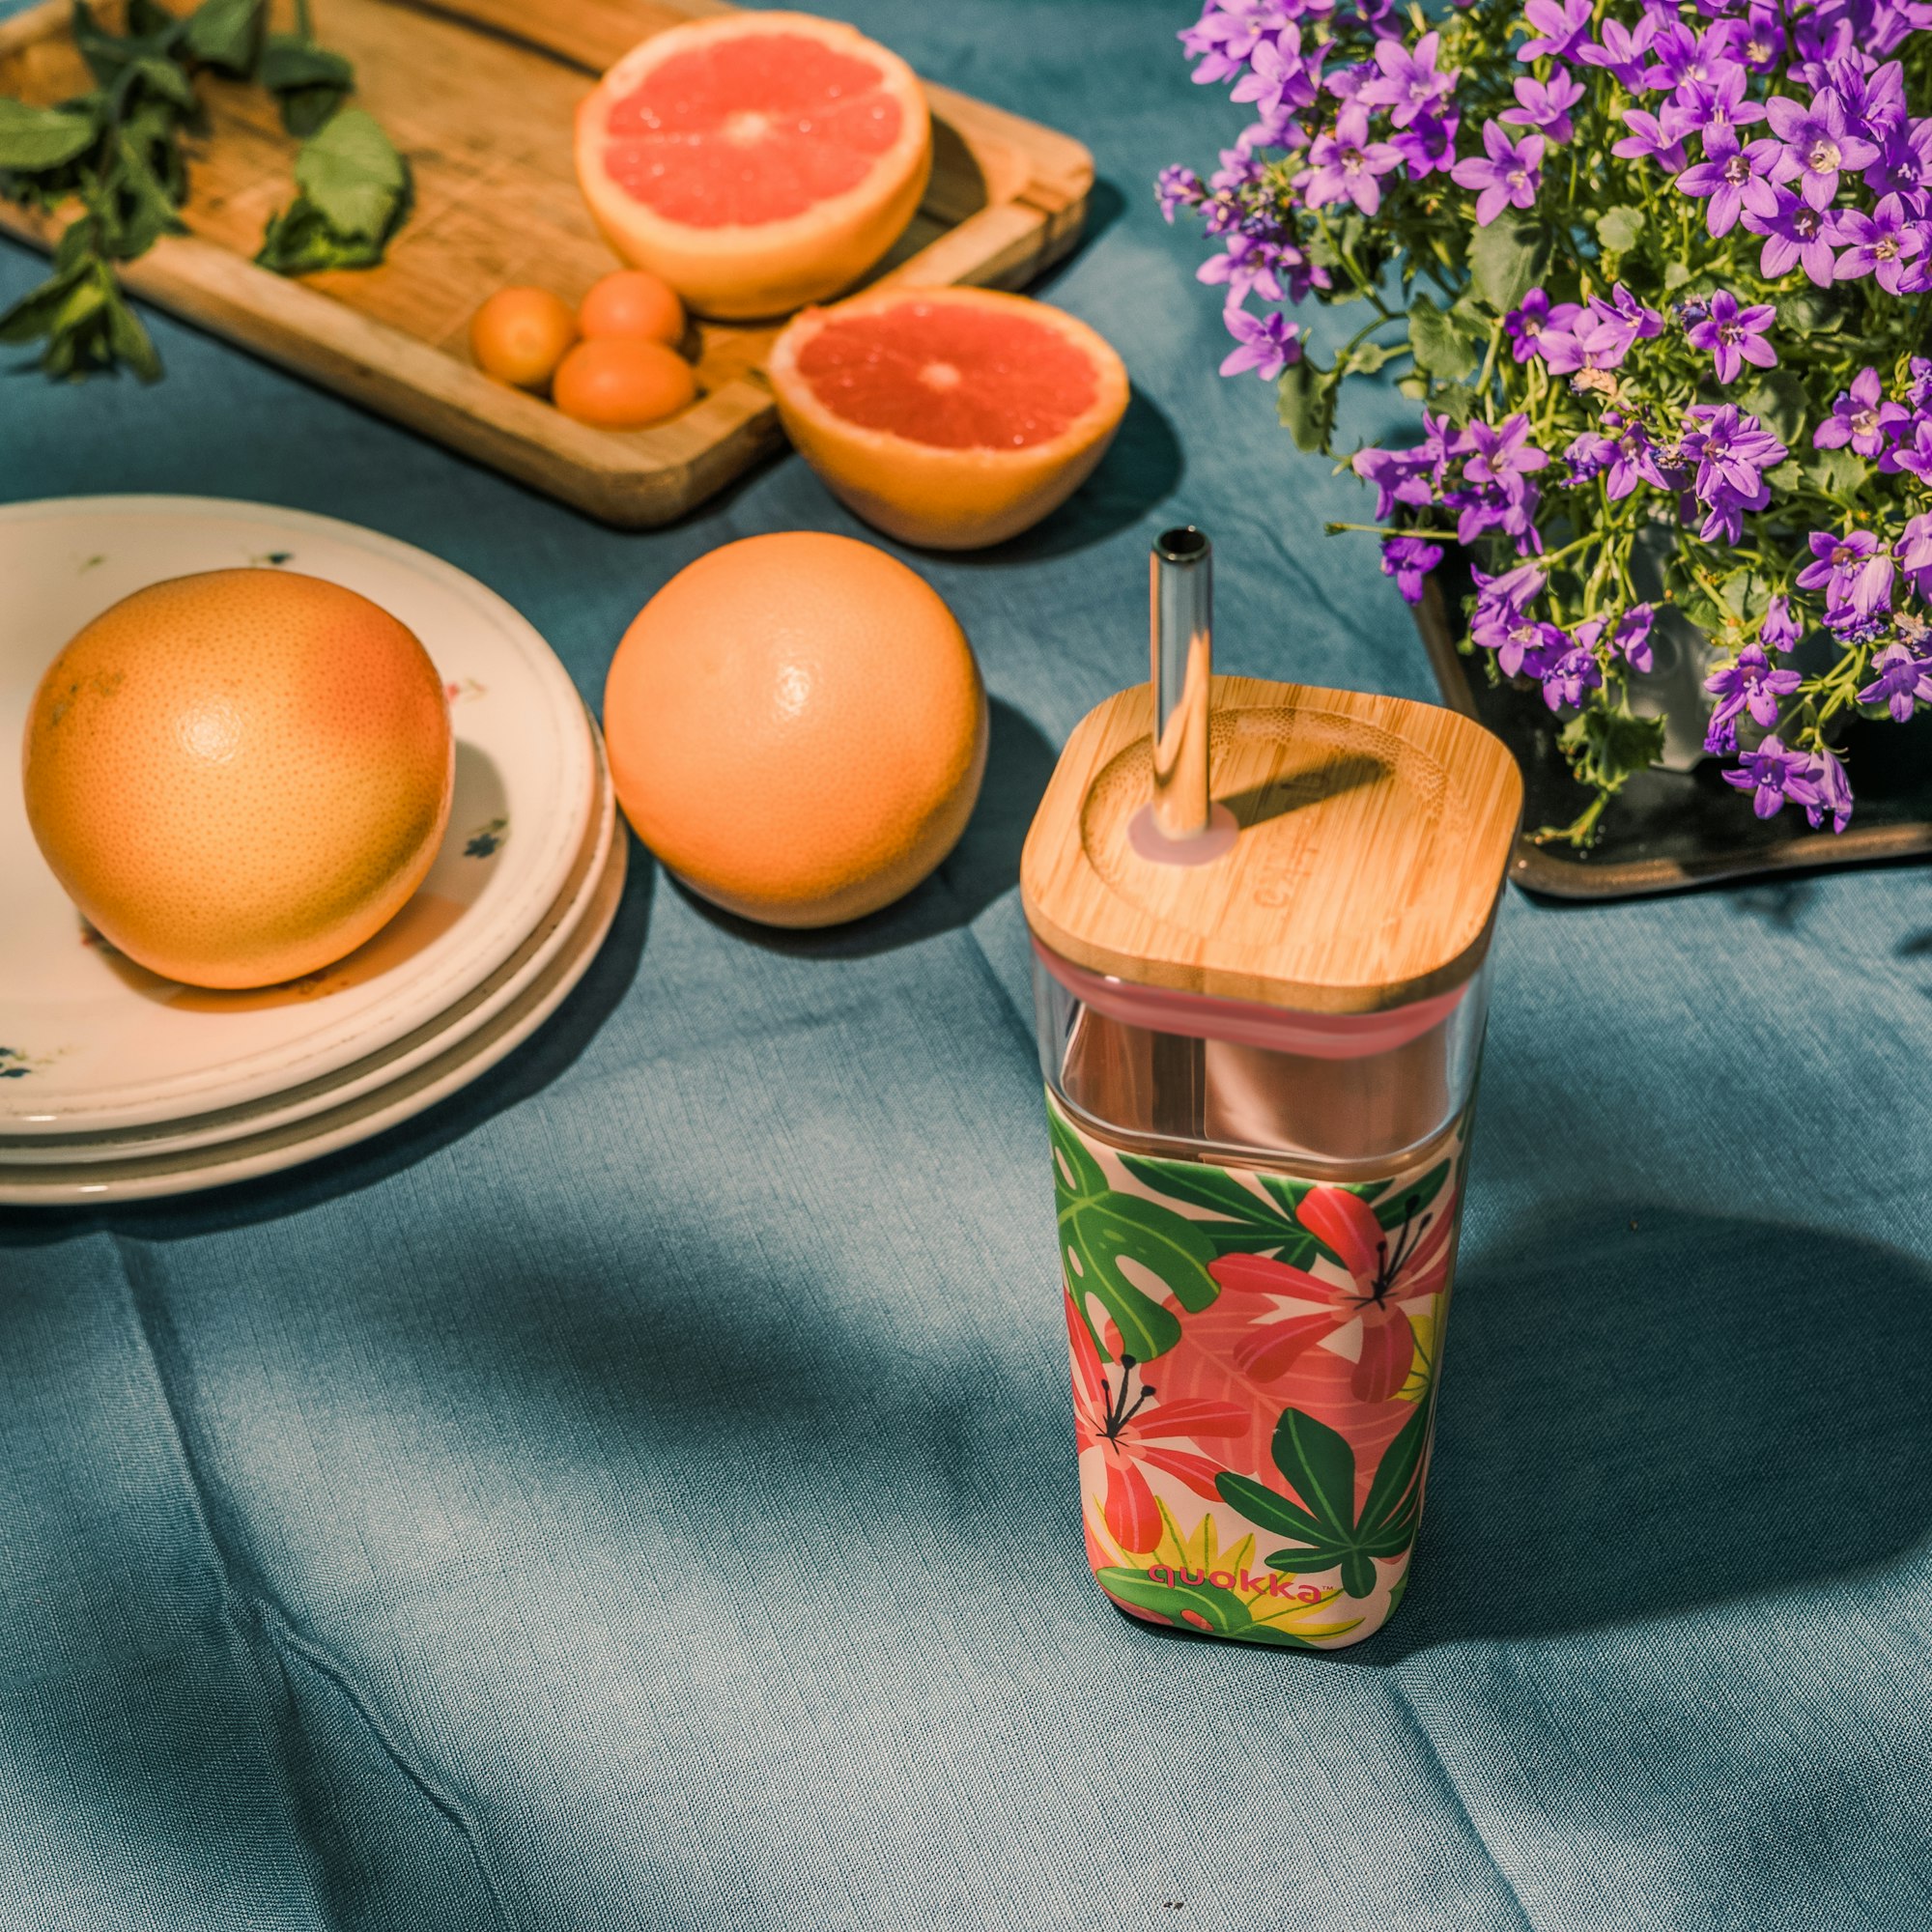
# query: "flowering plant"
1647,267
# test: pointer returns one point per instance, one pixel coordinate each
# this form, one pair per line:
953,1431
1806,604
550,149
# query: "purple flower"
1278,80
1267,343
1818,145
1660,136
1918,391
1345,165
1686,59
1428,144
1500,621
1902,681
1559,24
1827,779
1773,775
1763,45
1546,105
1568,669
1751,683
1734,335
1227,33
1905,167
1882,242
1409,83
1797,234
1622,51
1717,99
1914,551
1177,187
1914,456
1597,337
1400,476
1503,452
1633,461
1506,174
1732,178
1855,571
1631,636
1522,325
1408,560
1780,629
1860,417
1731,452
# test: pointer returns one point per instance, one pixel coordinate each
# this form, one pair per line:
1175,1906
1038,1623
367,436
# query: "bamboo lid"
1373,835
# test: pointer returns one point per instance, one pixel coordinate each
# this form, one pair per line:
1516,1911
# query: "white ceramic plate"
377,1069
289,1146
89,1041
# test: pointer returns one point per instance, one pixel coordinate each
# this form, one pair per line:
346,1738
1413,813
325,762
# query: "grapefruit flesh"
797,728
948,417
240,776
755,161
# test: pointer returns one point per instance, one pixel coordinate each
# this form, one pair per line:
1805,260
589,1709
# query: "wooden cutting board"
480,95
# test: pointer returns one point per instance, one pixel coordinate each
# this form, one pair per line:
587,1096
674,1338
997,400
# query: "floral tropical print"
1253,1379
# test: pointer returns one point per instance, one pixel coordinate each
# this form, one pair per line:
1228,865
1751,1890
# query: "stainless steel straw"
1180,597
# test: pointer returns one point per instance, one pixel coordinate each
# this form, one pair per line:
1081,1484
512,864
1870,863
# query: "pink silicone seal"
1246,1023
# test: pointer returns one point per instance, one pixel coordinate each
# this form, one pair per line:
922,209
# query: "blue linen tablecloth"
640,1493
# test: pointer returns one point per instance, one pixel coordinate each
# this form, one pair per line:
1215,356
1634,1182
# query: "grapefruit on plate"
240,776
755,161
797,728
948,417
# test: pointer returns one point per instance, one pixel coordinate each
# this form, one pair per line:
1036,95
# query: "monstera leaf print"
1242,1217
1127,1253
1321,1518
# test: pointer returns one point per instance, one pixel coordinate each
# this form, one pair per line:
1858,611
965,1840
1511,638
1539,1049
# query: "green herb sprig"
117,152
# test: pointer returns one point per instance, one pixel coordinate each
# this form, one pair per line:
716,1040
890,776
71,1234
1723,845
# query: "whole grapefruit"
797,728
754,161
240,776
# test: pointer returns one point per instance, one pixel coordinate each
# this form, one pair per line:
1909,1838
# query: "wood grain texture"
1375,833
480,95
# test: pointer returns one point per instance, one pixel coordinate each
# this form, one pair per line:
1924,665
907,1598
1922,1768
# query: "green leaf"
129,340
37,311
1505,260
308,81
1837,473
1366,357
1100,1227
1675,274
1397,1206
1307,403
227,34
1271,1510
34,140
1605,746
1222,1612
164,81
1319,1466
1444,345
352,176
1777,398
1617,229
1200,1187
1392,1497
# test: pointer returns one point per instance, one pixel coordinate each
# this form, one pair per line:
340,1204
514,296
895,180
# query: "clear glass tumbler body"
1258,1218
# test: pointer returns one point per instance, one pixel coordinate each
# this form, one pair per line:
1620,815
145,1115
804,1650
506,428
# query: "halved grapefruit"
757,162
948,417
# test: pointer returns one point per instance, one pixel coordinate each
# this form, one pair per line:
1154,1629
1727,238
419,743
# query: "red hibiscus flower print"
1117,1415
1385,1268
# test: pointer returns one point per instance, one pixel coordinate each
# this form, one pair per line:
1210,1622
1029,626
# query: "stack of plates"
116,1084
